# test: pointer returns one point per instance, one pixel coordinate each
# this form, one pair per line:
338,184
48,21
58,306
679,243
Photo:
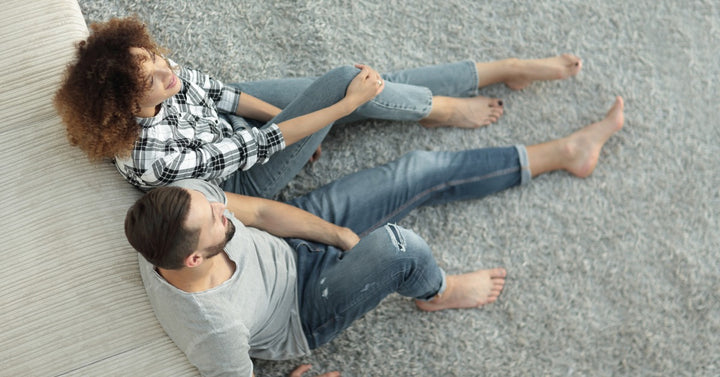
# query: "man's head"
175,228
103,88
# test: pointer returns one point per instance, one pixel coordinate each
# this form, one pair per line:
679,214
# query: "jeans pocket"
310,246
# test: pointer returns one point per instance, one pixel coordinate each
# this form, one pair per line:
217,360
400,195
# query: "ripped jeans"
337,287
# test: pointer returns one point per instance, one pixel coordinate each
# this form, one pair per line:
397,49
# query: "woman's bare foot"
555,68
470,112
470,290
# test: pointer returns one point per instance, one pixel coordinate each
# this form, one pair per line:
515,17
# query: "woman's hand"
365,86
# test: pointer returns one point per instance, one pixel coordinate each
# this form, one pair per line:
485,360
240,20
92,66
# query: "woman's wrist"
349,104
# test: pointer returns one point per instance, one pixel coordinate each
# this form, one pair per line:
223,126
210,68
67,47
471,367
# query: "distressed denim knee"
339,287
415,267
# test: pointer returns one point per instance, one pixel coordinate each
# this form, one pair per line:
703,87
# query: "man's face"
162,82
215,229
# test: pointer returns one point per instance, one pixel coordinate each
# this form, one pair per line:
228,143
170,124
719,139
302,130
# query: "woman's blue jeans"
407,96
337,287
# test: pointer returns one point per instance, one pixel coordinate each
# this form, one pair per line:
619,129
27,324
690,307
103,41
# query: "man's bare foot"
583,146
555,68
577,153
470,112
302,369
470,290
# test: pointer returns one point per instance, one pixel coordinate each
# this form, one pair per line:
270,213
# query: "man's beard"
217,249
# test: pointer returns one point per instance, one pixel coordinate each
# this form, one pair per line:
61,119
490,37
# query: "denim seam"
437,188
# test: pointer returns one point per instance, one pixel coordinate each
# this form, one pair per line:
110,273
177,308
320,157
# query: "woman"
121,99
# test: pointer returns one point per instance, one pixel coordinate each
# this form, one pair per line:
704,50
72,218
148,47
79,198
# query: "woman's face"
161,80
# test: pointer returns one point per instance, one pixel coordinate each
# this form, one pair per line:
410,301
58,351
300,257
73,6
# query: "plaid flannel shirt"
187,138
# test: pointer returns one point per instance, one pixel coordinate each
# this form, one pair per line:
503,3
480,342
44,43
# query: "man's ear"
193,260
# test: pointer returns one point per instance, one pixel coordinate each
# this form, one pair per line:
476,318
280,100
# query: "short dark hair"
155,227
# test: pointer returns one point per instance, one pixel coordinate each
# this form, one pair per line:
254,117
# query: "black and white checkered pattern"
187,138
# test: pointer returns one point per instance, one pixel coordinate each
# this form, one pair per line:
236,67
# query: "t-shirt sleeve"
223,353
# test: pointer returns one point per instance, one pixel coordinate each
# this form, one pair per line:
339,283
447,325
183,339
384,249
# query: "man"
232,277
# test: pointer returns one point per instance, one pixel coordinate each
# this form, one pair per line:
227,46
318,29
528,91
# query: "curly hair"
102,88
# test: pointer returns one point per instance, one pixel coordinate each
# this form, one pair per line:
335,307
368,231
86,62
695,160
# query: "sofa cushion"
72,301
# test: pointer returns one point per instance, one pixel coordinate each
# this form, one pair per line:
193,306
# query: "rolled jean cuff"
443,287
525,173
475,90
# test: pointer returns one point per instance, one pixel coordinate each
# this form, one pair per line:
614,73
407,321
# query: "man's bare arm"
284,220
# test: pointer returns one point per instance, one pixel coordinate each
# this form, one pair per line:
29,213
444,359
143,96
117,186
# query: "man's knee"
419,165
419,157
393,242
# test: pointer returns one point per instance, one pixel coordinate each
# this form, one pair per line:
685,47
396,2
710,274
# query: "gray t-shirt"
253,314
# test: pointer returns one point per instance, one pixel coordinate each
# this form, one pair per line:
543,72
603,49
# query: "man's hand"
299,371
347,239
284,220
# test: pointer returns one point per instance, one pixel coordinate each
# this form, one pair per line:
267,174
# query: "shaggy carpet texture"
616,274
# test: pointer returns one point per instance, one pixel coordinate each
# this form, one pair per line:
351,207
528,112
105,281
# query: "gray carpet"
616,274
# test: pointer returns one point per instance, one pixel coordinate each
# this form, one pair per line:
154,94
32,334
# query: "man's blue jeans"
336,287
407,96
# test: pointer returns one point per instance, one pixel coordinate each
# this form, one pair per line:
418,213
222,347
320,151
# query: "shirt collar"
149,122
